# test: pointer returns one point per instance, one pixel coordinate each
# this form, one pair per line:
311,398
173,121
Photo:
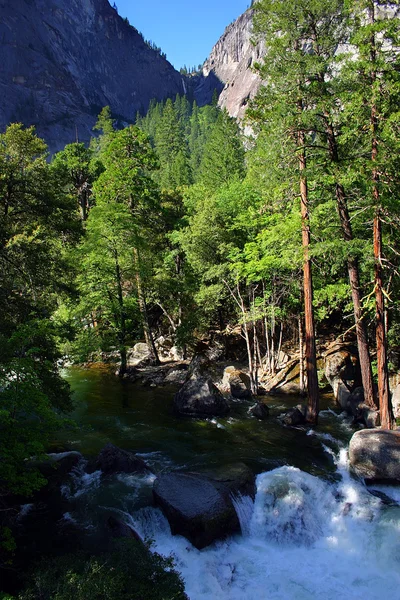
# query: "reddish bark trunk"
310,354
354,277
383,376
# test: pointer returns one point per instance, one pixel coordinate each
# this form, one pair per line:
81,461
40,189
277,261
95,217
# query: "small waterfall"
81,482
244,507
303,538
184,86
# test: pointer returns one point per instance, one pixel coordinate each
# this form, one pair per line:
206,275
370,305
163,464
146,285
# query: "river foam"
304,538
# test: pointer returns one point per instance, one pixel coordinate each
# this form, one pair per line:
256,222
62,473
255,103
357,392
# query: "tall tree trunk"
301,349
354,275
311,354
383,376
143,310
122,319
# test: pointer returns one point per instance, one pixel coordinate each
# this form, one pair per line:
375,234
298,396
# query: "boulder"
260,411
237,383
375,454
199,397
342,371
115,460
362,413
396,402
139,356
286,381
196,507
237,478
294,417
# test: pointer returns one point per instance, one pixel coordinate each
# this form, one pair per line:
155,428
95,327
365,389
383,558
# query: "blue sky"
186,31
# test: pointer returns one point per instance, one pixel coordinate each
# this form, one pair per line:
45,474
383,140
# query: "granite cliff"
228,68
63,60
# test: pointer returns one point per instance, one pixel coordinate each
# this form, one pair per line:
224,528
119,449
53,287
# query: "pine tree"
223,156
372,113
127,179
171,147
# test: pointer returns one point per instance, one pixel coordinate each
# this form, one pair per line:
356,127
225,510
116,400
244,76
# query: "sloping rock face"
63,60
375,454
228,68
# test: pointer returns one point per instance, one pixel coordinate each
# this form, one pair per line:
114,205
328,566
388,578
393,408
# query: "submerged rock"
294,417
260,411
115,460
196,507
375,454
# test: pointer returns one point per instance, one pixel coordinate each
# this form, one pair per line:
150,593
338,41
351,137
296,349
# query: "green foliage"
128,572
78,169
37,225
223,157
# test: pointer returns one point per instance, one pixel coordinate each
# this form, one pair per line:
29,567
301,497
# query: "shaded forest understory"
184,227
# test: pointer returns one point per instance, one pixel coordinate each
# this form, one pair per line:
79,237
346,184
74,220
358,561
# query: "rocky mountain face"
63,60
228,68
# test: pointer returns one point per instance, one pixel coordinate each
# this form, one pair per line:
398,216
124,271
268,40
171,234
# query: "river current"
313,531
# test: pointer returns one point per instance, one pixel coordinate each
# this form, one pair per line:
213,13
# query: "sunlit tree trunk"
310,353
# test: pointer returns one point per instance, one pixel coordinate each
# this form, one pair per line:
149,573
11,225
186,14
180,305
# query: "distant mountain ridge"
63,60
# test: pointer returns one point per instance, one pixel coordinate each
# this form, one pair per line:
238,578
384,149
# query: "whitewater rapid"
303,538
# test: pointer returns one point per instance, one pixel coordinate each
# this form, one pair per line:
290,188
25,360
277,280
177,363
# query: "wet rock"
260,411
375,454
199,397
294,417
384,498
362,413
237,383
115,460
237,478
119,529
196,507
56,469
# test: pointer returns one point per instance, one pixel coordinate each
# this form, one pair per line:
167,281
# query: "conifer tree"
290,67
171,147
223,156
371,108
129,162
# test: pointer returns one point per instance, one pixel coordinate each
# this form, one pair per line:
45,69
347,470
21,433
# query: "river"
313,530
